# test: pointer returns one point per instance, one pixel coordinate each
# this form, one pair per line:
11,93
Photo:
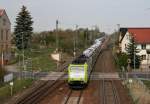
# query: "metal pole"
23,50
19,67
56,35
2,59
134,55
94,32
11,90
118,26
147,66
75,41
74,53
76,38
57,41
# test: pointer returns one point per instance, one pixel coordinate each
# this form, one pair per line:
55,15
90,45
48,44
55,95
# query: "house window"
6,47
7,34
143,46
4,22
1,34
125,46
143,57
2,47
127,37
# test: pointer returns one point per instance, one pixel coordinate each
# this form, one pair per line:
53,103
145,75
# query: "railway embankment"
139,92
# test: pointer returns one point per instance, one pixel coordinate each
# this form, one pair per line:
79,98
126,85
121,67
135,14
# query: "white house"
5,36
142,40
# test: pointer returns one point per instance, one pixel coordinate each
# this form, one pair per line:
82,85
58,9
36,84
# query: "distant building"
142,40
5,36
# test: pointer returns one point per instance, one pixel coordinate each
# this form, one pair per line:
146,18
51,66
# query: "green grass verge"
43,62
19,85
13,61
40,60
147,83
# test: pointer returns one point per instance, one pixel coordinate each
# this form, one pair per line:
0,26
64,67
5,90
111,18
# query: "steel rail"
38,92
115,93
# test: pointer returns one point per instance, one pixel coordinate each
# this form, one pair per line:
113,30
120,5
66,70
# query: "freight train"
80,69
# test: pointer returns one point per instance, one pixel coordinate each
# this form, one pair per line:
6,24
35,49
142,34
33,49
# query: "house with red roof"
142,40
5,36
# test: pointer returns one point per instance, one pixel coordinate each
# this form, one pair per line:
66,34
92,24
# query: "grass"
19,85
147,83
13,61
43,62
40,60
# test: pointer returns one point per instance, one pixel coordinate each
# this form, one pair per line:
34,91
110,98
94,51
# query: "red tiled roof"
1,12
142,35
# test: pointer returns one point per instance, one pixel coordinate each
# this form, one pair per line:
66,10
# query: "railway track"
39,92
109,93
74,97
49,87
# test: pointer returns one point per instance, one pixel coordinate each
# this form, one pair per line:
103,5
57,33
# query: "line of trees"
24,37
66,39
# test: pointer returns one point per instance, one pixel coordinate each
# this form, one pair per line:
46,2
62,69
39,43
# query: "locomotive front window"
77,68
77,72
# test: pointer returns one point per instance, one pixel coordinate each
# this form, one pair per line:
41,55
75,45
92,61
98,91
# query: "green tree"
132,53
23,29
122,60
2,73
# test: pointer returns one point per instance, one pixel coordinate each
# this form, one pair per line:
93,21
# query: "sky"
106,14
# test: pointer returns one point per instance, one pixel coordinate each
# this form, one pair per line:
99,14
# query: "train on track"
80,69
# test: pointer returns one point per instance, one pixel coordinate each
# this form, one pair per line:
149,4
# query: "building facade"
5,36
142,40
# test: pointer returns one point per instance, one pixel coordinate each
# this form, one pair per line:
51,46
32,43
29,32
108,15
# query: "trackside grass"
19,85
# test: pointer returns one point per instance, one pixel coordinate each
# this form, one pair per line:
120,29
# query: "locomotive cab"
78,72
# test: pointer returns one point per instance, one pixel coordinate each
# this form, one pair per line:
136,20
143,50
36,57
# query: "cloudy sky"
86,13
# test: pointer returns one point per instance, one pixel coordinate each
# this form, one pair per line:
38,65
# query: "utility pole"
86,36
134,52
23,52
75,41
56,35
76,36
148,67
94,32
118,27
57,44
2,59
